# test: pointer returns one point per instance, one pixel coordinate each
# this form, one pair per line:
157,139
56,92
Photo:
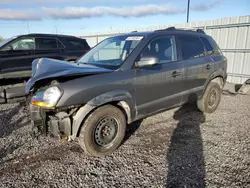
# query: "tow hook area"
58,125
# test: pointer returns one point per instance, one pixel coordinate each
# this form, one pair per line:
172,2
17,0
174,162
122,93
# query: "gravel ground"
179,148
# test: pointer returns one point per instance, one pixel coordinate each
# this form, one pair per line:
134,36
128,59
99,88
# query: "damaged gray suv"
123,79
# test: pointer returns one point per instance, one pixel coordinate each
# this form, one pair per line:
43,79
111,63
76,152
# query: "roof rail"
167,29
196,29
187,29
171,28
200,31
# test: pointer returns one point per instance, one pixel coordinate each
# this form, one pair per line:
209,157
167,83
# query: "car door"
48,47
17,58
198,66
159,87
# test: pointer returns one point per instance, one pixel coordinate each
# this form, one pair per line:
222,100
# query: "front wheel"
210,99
103,131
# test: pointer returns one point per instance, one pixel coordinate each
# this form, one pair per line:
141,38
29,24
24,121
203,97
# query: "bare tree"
1,38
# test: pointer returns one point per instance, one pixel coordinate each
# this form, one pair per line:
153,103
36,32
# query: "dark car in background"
17,53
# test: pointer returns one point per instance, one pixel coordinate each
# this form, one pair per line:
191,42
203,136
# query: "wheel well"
218,80
122,105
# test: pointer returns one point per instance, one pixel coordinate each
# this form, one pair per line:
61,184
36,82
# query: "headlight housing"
47,97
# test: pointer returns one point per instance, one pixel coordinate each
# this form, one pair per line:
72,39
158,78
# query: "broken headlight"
47,97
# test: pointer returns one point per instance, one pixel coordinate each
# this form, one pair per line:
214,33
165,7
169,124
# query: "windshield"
111,52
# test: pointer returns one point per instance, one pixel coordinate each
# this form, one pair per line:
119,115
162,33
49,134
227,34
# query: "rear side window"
78,44
191,47
207,45
211,46
48,43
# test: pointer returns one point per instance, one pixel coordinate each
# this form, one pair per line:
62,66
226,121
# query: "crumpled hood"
44,68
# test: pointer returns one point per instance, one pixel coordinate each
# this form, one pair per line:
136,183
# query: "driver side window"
163,48
22,44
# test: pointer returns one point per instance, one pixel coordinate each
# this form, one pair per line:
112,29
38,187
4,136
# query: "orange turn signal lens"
42,104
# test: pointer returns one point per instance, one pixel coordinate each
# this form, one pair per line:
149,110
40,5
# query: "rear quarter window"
211,46
77,44
191,47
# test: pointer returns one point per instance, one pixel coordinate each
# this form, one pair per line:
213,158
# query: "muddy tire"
210,99
103,131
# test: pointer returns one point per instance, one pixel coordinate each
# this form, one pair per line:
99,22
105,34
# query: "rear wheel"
103,131
210,99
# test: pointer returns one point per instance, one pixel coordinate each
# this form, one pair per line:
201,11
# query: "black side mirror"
147,61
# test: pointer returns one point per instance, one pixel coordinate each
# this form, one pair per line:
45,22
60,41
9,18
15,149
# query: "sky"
82,17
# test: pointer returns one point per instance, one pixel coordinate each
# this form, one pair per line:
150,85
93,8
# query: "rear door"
160,86
198,66
215,53
49,47
16,61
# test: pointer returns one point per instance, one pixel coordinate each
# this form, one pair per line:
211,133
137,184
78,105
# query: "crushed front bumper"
57,124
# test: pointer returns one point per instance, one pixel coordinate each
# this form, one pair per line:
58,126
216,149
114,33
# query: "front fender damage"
78,118
65,122
84,111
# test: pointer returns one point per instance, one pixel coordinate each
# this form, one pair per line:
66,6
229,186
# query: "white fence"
232,34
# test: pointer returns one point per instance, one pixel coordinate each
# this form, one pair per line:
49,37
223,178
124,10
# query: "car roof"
170,30
48,35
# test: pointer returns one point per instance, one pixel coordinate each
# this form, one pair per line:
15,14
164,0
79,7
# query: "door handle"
176,73
208,66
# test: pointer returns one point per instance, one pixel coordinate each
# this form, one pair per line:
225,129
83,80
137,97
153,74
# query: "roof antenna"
28,27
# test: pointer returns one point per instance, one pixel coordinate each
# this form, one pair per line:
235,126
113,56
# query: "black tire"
210,99
94,138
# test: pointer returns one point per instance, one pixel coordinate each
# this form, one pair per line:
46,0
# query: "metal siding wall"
246,65
233,40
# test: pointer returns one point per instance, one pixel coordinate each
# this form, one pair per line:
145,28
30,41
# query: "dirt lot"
180,148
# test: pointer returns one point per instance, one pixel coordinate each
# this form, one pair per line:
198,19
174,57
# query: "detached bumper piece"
60,128
59,125
2,96
12,95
